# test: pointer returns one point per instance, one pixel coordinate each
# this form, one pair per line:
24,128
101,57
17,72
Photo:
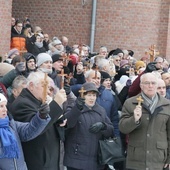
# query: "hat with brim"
90,87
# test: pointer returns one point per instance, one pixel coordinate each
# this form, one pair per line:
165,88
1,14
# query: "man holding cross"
147,122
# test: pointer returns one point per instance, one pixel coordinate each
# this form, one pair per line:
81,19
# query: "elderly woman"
87,123
13,132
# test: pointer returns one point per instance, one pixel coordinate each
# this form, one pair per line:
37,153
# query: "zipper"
15,164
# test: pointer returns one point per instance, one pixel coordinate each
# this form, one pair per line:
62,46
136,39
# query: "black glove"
67,89
44,110
95,128
20,68
150,67
80,103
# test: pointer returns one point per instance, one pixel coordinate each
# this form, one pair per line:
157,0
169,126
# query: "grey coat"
149,141
22,132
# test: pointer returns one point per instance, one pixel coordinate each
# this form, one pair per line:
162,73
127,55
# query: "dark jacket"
81,145
149,143
43,151
22,132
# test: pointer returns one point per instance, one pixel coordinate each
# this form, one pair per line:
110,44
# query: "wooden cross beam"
62,78
82,91
45,86
140,100
131,71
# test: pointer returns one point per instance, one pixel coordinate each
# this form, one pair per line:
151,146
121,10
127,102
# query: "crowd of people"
57,101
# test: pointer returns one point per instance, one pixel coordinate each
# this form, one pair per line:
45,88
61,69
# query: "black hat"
131,53
90,87
29,56
56,57
104,75
115,52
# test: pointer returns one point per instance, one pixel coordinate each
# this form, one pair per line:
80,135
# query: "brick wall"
128,24
5,25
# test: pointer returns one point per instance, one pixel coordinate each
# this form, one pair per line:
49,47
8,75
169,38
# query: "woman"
87,123
12,133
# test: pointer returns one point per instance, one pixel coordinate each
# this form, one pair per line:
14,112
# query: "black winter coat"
81,146
41,153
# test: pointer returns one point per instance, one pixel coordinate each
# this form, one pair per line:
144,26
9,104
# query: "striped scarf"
151,103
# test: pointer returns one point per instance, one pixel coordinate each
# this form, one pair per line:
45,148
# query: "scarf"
10,147
39,44
151,103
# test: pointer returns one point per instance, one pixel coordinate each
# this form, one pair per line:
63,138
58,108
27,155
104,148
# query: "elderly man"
148,127
42,152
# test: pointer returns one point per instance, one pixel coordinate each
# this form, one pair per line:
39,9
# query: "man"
43,151
64,41
148,127
166,78
161,88
18,39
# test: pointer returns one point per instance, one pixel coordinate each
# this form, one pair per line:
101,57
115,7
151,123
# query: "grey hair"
35,77
18,81
146,74
102,63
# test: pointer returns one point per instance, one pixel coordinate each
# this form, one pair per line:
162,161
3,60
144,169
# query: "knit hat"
90,87
124,62
2,98
29,56
56,57
139,64
104,75
42,58
12,52
56,42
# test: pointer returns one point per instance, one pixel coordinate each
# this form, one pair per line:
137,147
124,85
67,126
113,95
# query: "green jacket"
149,141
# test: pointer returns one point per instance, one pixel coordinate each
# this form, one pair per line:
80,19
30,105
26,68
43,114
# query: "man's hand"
60,97
137,113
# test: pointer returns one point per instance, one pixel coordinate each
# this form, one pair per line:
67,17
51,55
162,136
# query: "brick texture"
5,25
127,24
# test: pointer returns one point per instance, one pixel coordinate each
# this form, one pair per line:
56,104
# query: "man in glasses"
148,127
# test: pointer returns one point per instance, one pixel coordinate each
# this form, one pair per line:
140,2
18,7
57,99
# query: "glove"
150,67
95,128
128,83
44,110
80,103
20,68
67,89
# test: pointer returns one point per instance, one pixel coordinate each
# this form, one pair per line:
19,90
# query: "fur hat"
90,87
115,52
2,98
56,57
42,58
139,64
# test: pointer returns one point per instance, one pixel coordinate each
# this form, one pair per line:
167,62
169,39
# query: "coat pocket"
160,154
135,151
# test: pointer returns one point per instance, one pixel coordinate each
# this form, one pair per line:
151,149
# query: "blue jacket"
107,100
22,132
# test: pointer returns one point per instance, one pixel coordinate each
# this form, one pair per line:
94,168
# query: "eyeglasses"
117,60
149,83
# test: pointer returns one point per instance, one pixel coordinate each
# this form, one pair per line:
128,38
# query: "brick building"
127,24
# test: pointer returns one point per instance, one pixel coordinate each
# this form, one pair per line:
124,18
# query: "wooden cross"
140,100
153,52
62,78
82,91
80,51
95,68
131,71
45,86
